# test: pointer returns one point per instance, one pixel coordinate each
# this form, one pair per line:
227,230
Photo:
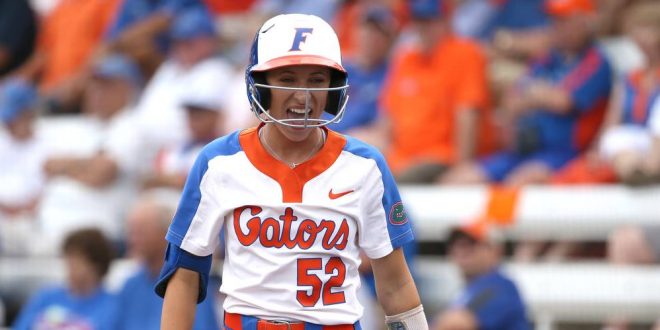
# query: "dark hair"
92,244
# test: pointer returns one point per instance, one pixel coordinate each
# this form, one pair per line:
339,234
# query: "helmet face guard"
295,39
265,117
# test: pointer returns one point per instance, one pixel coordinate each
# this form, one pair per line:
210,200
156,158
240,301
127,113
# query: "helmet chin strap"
258,109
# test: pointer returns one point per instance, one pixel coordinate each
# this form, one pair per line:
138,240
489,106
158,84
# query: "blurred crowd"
107,102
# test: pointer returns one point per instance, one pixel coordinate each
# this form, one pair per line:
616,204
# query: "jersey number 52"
334,264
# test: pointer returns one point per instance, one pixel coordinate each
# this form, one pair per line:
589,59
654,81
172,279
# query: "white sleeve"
373,237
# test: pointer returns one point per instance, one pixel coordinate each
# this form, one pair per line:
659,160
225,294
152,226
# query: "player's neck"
291,152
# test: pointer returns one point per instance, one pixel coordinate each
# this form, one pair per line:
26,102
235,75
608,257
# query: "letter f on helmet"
300,37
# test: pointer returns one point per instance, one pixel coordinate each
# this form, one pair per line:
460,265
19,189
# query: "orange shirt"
69,35
423,94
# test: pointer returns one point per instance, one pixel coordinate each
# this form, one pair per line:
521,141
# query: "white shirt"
68,204
160,111
21,169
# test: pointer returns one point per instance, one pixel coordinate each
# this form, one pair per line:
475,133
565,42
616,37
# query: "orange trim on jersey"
298,60
233,321
502,204
291,180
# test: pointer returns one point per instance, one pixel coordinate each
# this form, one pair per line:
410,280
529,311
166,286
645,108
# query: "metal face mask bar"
308,122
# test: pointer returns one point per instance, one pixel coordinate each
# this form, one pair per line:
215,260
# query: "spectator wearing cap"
490,300
18,31
160,110
147,222
98,170
141,29
367,67
554,112
67,40
204,101
436,113
23,153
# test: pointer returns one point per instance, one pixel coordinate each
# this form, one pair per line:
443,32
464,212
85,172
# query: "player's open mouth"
298,113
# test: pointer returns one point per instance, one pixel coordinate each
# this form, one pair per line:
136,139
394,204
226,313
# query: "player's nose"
301,97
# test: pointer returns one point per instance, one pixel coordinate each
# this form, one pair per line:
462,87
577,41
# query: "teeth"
299,111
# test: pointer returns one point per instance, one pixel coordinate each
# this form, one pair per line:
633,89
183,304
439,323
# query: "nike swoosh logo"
335,196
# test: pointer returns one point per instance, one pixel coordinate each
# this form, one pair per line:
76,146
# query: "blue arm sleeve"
176,258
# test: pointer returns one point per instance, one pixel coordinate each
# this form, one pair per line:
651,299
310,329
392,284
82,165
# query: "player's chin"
298,132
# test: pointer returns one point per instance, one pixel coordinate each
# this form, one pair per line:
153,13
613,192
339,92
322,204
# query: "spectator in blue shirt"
141,29
83,303
140,308
555,111
490,300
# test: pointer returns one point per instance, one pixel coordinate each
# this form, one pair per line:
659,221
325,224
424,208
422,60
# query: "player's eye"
318,81
286,80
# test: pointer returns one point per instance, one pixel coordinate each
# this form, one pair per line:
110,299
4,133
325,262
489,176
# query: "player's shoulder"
362,149
223,146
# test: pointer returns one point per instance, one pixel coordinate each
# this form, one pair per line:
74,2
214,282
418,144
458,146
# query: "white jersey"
292,235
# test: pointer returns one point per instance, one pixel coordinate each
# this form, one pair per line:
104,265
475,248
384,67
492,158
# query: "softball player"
297,202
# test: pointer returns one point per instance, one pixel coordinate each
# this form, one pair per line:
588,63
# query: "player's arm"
180,300
397,292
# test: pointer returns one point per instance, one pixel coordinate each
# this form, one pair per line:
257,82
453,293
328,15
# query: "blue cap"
381,17
192,23
118,67
425,9
16,97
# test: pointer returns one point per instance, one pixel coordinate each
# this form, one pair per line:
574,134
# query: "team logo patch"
397,214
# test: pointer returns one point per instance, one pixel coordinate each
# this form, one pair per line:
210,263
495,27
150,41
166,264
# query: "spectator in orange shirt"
67,41
436,99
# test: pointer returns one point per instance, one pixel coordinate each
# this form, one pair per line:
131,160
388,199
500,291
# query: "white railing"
542,212
568,292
